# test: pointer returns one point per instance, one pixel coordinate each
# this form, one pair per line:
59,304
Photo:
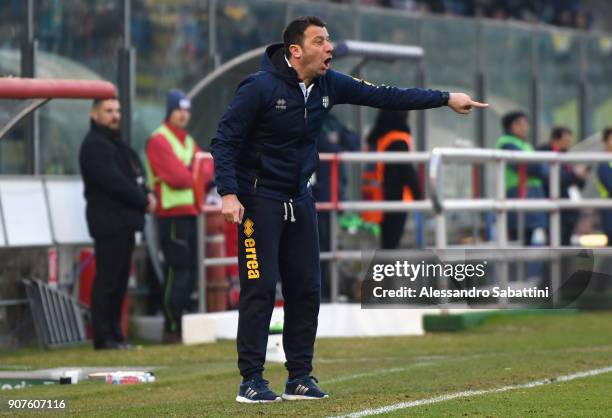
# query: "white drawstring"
291,208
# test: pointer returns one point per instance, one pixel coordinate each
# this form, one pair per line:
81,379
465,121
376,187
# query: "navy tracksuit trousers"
278,241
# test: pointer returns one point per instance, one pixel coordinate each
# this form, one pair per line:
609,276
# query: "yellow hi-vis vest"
169,196
603,191
372,188
512,176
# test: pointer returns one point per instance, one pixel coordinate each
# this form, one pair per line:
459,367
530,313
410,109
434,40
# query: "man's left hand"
151,203
462,103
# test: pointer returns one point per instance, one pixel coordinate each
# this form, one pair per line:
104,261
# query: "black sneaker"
303,388
256,391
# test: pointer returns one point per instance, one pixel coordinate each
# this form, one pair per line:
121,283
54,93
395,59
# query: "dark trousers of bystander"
113,259
392,229
178,238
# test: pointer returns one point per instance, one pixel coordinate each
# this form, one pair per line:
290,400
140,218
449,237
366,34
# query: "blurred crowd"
566,13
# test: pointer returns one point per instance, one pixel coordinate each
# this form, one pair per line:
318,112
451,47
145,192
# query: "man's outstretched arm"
350,90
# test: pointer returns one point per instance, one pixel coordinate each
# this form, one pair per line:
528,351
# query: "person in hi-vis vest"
515,137
170,151
604,184
386,181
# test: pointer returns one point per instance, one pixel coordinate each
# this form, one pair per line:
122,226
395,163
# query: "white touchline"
469,393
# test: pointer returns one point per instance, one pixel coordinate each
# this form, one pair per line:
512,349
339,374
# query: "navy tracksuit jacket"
265,152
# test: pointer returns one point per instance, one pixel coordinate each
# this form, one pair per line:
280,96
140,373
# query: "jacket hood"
274,62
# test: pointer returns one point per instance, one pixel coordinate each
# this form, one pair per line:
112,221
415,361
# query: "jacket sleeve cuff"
223,192
445,97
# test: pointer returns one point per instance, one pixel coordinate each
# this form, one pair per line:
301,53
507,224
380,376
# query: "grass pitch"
359,373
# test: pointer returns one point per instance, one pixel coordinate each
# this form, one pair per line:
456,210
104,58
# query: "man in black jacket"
265,152
117,199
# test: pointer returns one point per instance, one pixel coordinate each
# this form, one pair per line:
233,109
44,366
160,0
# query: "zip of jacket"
302,141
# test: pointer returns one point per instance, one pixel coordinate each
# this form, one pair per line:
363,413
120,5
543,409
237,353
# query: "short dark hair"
607,132
96,102
294,31
510,118
558,132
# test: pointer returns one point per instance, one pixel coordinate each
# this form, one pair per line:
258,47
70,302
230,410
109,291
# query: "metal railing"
58,317
440,206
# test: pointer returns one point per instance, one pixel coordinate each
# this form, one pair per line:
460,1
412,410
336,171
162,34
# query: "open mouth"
327,63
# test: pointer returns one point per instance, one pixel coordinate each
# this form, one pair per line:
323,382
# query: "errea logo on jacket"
281,104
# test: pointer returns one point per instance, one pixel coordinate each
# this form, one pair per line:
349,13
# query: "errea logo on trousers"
252,264
248,227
